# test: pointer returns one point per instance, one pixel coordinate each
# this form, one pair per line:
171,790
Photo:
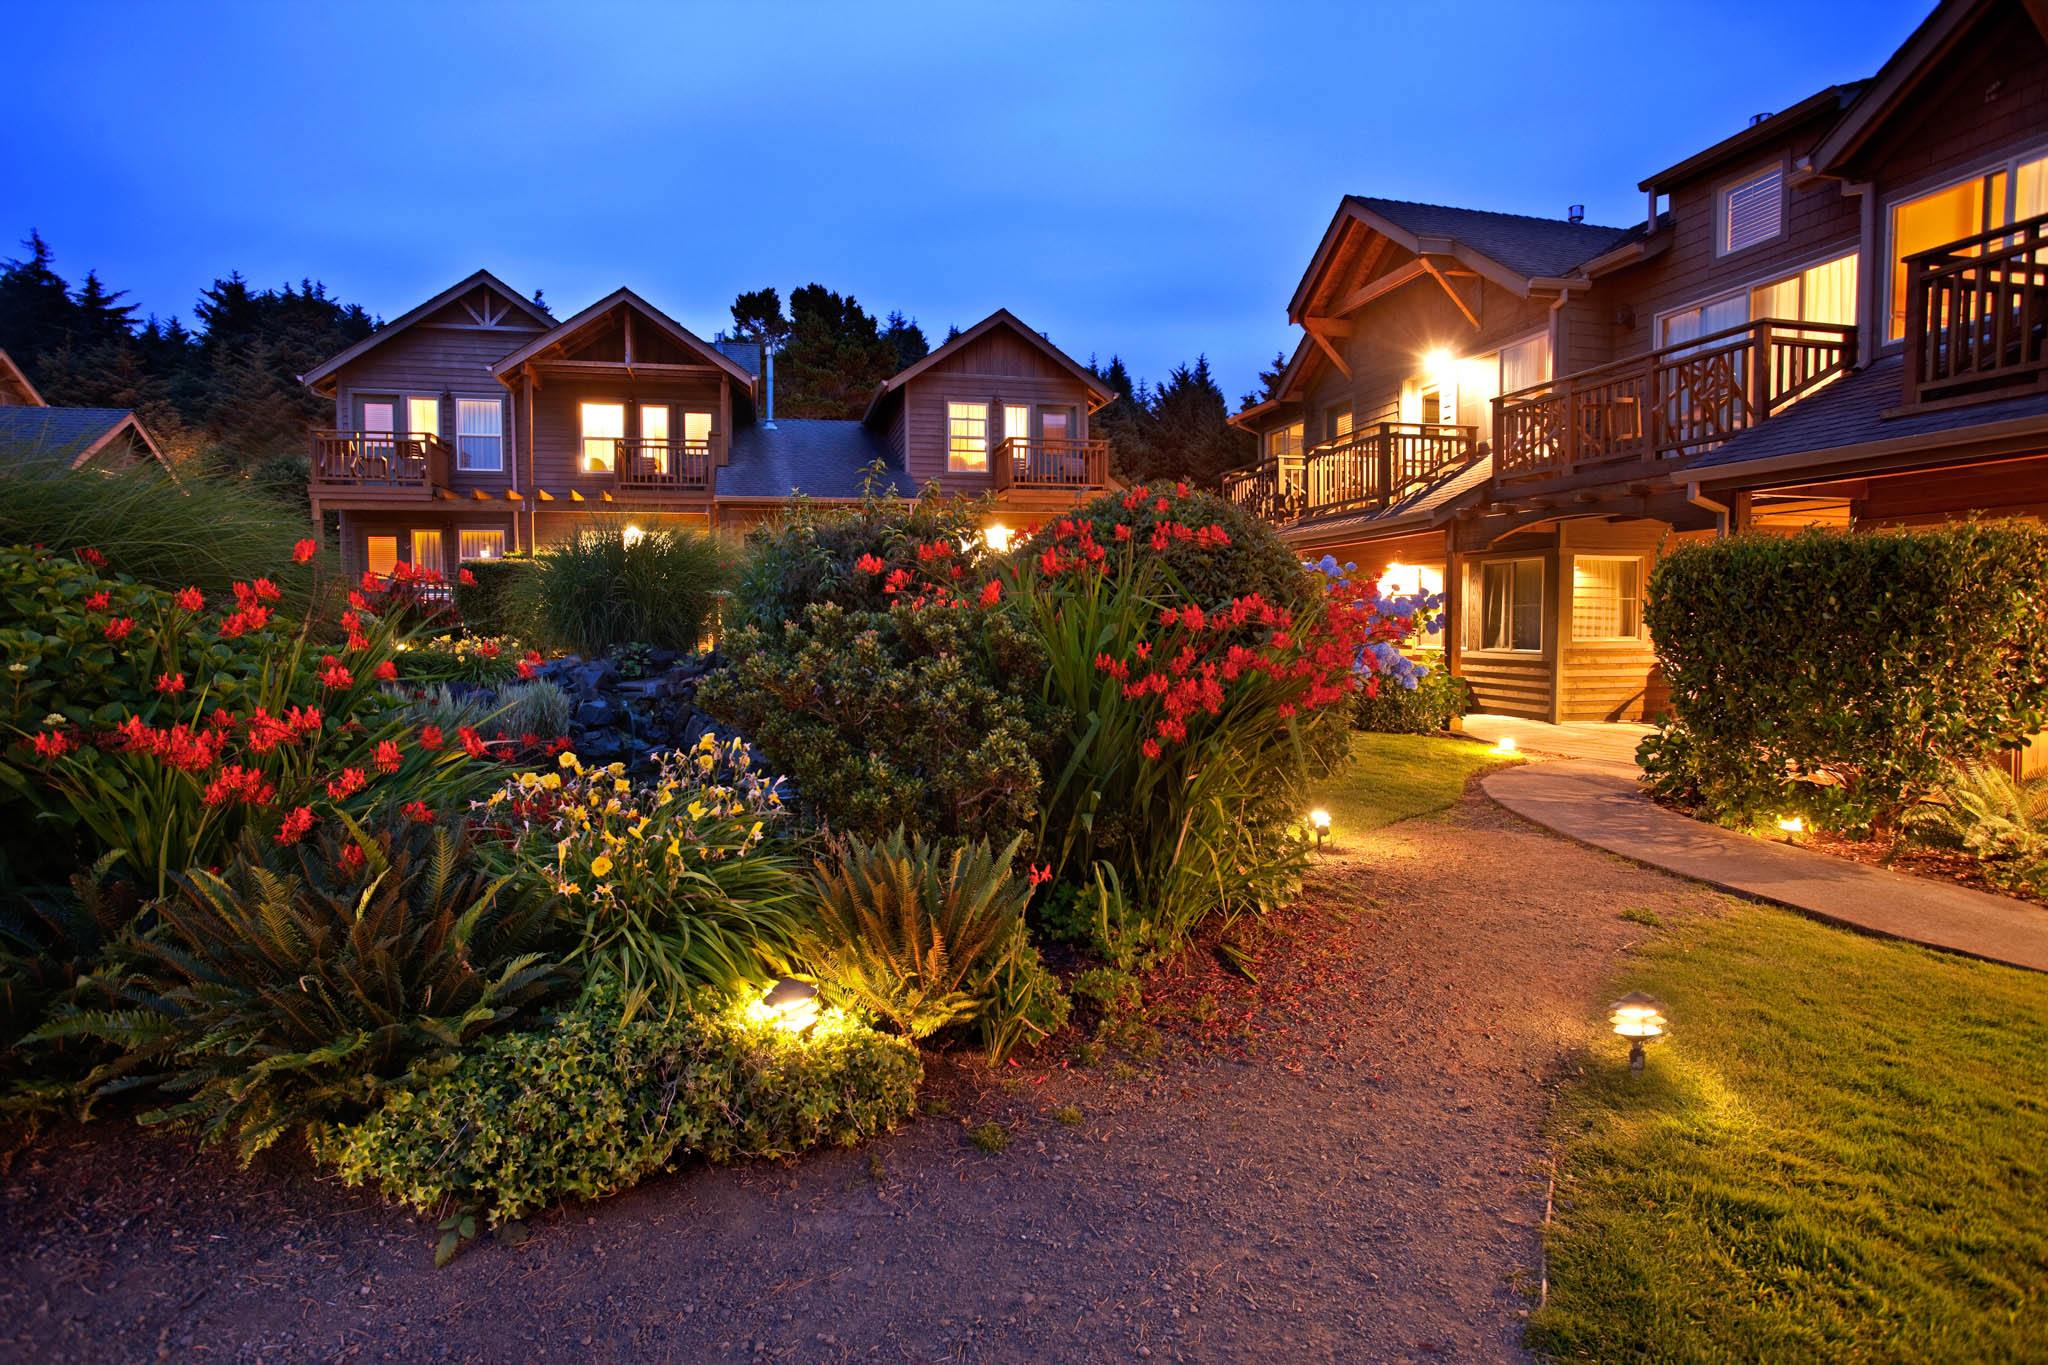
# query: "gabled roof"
539,315
1002,317
817,456
1903,73
1511,249
11,373
1291,374
1832,100
70,436
622,296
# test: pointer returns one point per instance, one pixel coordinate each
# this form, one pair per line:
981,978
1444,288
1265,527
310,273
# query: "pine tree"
834,358
906,338
757,316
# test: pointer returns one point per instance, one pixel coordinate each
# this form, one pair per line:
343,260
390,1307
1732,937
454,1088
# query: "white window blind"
479,434
423,416
483,545
1753,211
1607,598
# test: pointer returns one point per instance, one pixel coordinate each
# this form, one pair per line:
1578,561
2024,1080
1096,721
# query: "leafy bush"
1178,795
672,881
595,590
1437,699
597,1101
2002,823
298,985
1840,677
482,659
193,531
48,941
151,724
487,595
1248,560
901,696
925,940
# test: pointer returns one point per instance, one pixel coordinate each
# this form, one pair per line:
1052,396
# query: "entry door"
376,454
1055,428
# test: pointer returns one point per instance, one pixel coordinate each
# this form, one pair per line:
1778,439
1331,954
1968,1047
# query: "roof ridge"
1491,213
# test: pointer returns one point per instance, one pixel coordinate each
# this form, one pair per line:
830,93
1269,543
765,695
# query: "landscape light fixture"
996,537
632,535
791,1004
1638,1018
1791,825
1319,821
1505,746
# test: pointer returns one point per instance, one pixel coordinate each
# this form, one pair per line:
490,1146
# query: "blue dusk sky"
1135,179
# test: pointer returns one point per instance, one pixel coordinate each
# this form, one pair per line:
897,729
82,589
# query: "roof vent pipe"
768,386
1577,213
1755,119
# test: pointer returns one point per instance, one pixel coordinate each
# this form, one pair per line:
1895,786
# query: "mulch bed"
1932,864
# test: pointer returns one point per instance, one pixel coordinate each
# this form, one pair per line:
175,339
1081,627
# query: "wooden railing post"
1386,462
1569,455
1759,377
1917,339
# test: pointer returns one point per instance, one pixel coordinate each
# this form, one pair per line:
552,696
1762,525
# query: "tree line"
224,392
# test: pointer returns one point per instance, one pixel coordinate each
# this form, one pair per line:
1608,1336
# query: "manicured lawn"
1840,1151
1397,777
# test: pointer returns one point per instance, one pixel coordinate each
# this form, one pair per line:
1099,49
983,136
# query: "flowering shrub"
163,725
672,881
901,695
466,658
1180,794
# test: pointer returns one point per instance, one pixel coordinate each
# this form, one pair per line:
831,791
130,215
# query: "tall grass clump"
596,590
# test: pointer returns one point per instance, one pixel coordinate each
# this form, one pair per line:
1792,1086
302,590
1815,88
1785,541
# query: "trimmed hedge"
1428,708
1840,677
486,602
595,1103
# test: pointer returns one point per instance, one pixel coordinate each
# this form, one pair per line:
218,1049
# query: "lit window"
1821,293
1016,422
1607,598
1285,443
2009,194
1525,364
967,438
483,545
1510,614
697,429
1753,210
479,434
1407,580
427,551
604,426
1337,422
654,421
423,416
380,554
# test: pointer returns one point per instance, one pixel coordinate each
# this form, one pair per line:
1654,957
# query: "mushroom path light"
791,1004
1638,1018
1319,821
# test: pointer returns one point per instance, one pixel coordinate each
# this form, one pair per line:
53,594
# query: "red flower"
118,628
303,719
266,732
53,744
170,684
430,737
352,859
526,669
98,601
385,672
93,557
1041,875
237,783
867,563
472,743
1151,747
334,675
305,550
417,812
897,581
266,591
1180,490
466,578
992,593
351,781
387,756
300,821
489,649
190,599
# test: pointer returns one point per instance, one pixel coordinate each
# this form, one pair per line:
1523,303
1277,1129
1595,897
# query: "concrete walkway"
1597,741
1599,804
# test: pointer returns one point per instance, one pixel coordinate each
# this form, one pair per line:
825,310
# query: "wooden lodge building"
1838,316
32,432
476,425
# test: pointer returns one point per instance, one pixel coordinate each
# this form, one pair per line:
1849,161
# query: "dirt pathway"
1367,1184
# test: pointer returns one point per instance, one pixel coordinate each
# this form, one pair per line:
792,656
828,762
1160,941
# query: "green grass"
1397,777
1841,1151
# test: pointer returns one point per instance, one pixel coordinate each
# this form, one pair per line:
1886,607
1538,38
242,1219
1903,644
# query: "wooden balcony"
1977,315
379,464
1597,424
649,468
1020,462
1371,468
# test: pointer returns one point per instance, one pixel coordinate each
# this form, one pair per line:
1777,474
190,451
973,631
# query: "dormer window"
1752,211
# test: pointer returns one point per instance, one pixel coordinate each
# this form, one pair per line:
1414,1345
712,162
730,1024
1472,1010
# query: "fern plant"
49,942
916,936
297,986
2001,823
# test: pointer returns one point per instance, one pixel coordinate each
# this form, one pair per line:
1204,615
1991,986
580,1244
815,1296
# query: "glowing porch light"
632,535
1638,1018
1440,365
790,1004
997,537
1319,821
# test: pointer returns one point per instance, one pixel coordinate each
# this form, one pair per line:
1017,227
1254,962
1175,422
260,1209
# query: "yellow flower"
706,744
600,866
568,759
706,762
696,810
553,782
622,785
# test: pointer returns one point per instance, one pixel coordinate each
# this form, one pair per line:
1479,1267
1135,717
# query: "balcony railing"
1371,467
1671,402
641,465
1021,462
1977,314
379,460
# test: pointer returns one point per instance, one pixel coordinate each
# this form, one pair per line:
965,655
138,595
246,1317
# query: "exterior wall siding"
996,368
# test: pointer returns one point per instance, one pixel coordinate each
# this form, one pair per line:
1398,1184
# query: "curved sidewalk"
1599,804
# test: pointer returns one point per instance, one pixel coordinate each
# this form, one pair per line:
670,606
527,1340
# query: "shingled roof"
68,436
1425,507
1532,247
817,456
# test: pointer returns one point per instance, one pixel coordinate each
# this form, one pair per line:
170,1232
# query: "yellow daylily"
600,866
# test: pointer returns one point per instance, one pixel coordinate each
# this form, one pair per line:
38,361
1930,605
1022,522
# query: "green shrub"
674,883
297,986
2001,823
925,939
890,689
487,595
49,940
1840,677
194,531
596,1102
484,659
1425,709
1253,562
595,591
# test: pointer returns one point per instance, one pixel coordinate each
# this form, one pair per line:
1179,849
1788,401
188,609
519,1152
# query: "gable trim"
1002,317
560,332
315,376
20,376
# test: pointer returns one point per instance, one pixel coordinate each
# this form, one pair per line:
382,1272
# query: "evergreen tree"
757,316
906,338
834,358
36,310
1269,382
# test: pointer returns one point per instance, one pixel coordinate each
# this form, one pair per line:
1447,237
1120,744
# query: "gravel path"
1345,1163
